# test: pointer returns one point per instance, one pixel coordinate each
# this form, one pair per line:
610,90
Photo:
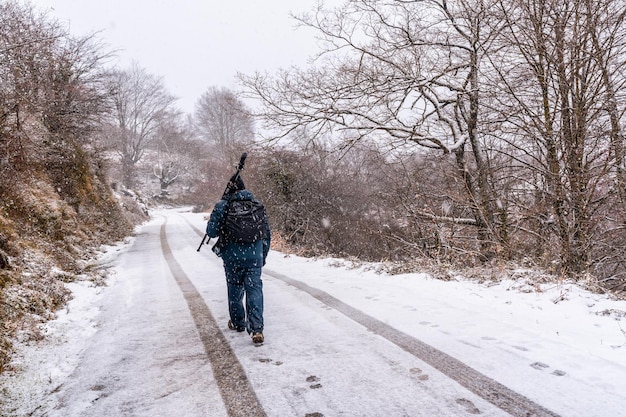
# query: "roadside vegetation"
477,139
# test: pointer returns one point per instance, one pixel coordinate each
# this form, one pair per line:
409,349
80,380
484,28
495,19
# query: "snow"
131,347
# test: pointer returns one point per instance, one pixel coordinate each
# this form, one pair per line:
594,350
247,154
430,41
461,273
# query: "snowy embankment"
132,347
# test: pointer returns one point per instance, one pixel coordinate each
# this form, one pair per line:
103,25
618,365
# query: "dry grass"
47,243
280,244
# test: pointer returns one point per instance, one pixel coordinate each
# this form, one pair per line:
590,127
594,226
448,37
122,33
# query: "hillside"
56,204
52,221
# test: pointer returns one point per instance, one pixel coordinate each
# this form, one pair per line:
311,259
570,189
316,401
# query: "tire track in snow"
497,394
489,389
236,391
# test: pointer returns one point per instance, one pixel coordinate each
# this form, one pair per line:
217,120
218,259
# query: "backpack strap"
221,234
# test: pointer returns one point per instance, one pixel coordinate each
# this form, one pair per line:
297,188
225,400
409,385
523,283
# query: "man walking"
240,222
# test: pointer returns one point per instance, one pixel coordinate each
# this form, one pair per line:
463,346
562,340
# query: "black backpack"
244,221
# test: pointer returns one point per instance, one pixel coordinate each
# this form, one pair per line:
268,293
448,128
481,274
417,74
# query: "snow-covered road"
339,342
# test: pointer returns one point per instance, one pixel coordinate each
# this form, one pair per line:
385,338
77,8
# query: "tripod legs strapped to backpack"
242,161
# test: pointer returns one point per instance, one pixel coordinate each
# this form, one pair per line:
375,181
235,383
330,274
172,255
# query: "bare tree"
525,98
27,42
563,75
140,102
223,120
177,152
52,97
406,71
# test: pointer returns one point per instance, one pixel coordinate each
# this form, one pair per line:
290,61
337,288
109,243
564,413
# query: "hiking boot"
257,338
232,326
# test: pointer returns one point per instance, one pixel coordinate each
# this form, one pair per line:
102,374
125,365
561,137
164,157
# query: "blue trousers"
240,281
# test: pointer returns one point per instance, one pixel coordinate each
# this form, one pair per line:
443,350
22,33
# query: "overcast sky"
194,44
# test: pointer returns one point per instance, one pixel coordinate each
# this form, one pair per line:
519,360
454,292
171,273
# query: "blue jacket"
238,254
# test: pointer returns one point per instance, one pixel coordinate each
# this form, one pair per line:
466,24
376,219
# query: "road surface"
162,348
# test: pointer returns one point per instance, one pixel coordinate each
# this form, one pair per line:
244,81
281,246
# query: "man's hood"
243,195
